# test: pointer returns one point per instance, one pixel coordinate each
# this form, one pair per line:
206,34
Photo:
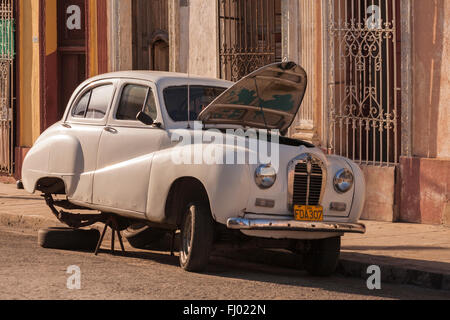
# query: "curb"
36,222
27,221
350,265
353,264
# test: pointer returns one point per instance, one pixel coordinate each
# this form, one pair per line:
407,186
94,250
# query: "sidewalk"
407,253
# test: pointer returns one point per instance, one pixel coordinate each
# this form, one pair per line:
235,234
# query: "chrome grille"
306,181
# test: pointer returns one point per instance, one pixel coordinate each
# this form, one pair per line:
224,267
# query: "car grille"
307,182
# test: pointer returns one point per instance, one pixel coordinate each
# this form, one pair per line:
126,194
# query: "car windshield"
175,99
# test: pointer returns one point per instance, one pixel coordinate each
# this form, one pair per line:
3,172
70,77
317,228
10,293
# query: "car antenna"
189,98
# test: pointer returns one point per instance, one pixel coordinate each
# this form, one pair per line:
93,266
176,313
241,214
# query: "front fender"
359,197
227,186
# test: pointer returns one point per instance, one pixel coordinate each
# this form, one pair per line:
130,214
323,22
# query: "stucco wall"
198,38
431,59
120,38
303,19
380,197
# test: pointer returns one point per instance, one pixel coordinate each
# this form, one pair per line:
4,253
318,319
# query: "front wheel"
197,234
322,257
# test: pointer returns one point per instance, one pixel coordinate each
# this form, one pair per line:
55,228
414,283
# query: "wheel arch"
51,185
191,189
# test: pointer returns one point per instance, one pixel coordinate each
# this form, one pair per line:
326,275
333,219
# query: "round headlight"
343,181
265,176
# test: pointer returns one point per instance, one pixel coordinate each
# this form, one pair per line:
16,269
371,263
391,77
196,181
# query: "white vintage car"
114,151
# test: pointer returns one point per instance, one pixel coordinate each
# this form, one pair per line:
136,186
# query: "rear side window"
100,100
94,103
79,111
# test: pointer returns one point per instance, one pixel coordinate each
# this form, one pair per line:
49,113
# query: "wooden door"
150,35
72,64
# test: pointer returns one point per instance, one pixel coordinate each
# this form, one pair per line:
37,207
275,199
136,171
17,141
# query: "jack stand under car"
76,238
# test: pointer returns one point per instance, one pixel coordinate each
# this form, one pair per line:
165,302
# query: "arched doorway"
159,52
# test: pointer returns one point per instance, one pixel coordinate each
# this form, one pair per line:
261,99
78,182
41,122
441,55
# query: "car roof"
160,77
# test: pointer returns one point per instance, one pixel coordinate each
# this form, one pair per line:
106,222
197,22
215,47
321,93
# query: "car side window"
99,102
150,105
79,111
131,102
134,99
94,103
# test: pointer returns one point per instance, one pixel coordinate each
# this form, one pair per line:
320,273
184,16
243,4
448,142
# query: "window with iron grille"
249,36
7,53
364,80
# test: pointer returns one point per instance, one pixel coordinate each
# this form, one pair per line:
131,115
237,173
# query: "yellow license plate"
308,213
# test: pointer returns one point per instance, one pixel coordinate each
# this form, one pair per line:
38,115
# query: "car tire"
197,235
68,239
323,256
141,236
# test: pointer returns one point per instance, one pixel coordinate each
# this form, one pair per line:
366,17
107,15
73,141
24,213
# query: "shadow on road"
226,267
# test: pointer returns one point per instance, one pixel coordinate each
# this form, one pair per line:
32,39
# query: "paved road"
30,272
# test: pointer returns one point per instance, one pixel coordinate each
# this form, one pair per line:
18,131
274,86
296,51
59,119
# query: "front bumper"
293,225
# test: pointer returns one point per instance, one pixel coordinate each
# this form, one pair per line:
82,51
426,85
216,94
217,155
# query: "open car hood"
267,98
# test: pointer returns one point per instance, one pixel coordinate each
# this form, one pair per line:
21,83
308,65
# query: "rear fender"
59,156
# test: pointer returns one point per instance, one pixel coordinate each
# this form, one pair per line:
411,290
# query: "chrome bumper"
293,225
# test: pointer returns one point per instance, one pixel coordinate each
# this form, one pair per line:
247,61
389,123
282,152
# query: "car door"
83,127
126,151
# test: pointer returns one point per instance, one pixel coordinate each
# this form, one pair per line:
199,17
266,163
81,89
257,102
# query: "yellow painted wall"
51,27
29,72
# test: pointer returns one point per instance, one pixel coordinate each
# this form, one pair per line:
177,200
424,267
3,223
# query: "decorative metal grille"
6,84
249,36
363,79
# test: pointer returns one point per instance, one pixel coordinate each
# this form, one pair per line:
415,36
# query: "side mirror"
145,118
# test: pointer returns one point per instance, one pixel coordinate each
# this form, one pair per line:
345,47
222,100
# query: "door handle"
111,130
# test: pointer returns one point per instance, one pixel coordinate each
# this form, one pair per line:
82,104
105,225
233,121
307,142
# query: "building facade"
378,92
58,44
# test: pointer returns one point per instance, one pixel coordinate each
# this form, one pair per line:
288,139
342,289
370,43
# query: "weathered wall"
198,38
29,90
303,27
424,178
431,81
425,190
380,194
119,35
